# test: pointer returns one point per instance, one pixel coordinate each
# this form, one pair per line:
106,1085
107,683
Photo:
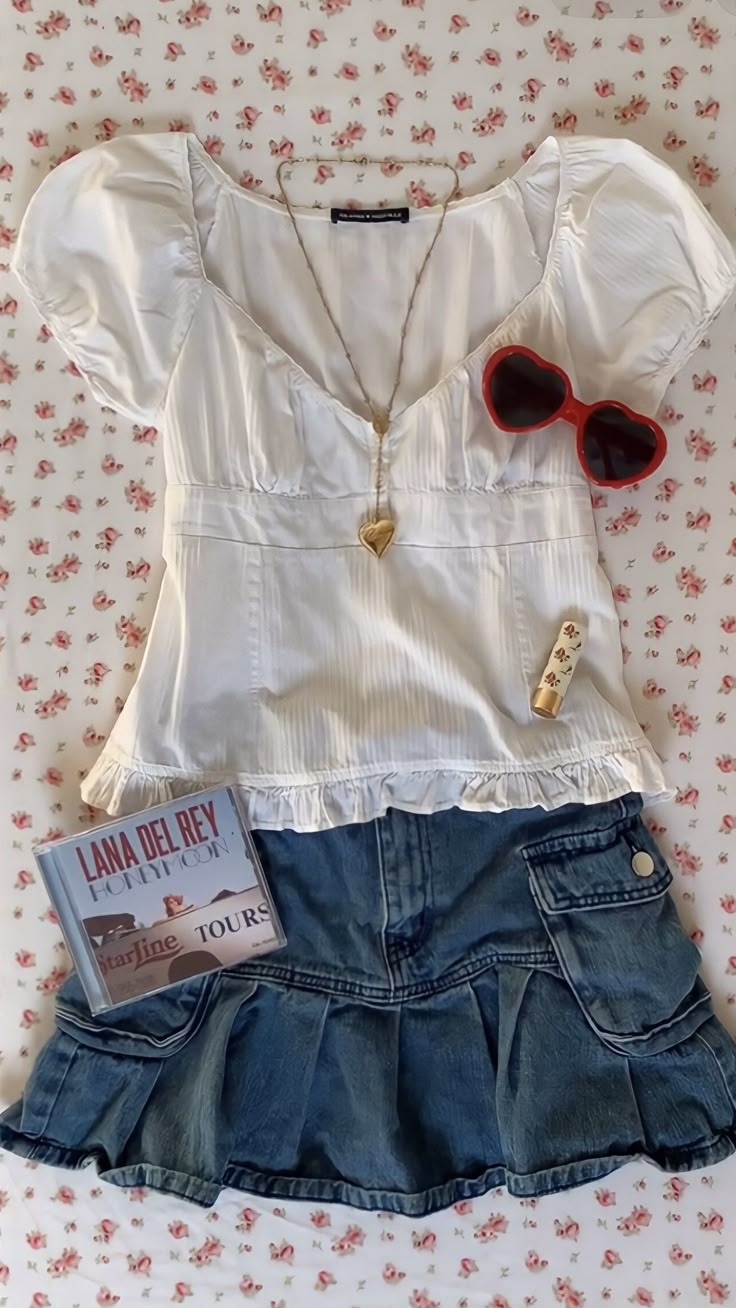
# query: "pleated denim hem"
206,1193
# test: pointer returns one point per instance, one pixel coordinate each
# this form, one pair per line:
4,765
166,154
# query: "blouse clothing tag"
395,215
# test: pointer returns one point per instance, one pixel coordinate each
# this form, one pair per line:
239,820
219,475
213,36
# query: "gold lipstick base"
546,703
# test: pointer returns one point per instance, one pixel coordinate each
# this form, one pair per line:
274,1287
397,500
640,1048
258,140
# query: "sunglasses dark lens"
616,447
524,394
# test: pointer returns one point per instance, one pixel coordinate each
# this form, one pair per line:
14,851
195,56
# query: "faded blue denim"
465,1001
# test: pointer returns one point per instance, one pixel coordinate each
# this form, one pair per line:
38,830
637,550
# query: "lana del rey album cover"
147,901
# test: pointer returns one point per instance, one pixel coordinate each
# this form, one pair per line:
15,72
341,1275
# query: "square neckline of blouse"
224,182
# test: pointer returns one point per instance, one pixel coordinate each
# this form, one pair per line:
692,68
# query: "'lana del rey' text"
190,827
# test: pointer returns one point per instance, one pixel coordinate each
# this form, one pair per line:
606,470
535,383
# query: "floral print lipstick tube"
548,697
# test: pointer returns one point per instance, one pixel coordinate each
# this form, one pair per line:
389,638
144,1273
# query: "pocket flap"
593,869
632,968
155,1026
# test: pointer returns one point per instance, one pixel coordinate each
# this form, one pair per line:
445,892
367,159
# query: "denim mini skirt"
465,1001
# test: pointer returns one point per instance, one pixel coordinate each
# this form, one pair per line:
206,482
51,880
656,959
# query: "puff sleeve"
645,270
107,250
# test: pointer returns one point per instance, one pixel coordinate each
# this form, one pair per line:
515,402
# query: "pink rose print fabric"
80,568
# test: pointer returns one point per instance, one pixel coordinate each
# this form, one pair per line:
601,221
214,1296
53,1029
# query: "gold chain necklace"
378,531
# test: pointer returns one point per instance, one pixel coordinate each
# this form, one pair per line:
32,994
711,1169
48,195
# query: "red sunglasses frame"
574,411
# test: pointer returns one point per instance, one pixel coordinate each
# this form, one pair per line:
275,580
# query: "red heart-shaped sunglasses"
616,446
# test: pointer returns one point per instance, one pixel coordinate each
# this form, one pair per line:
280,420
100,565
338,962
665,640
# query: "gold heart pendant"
377,536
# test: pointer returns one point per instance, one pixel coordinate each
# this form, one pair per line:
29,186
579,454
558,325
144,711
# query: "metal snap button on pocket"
643,863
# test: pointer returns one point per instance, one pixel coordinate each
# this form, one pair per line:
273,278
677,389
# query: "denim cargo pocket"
155,1026
92,1079
618,937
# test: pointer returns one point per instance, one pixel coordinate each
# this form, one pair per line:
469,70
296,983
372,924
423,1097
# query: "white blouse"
283,657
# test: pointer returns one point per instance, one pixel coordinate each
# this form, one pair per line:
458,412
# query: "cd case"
150,900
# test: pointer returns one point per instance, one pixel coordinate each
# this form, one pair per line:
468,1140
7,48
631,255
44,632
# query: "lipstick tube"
549,695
